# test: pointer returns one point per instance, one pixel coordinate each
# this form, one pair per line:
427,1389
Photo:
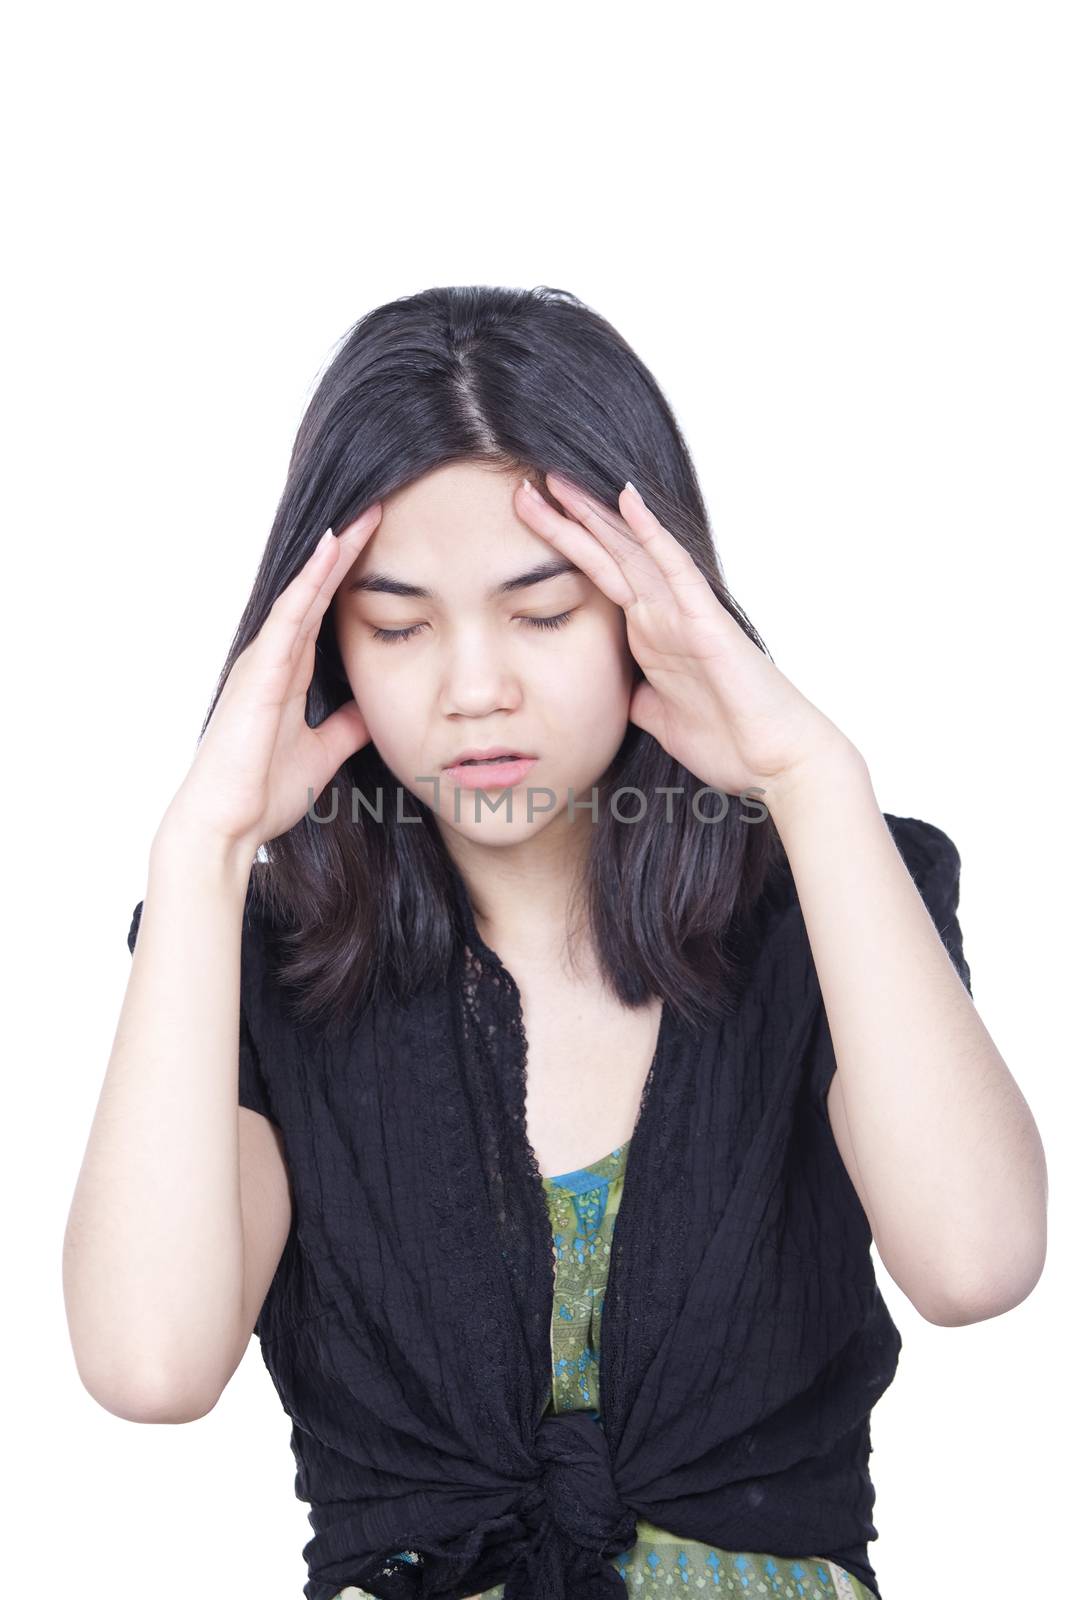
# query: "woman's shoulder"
779,934
926,850
258,916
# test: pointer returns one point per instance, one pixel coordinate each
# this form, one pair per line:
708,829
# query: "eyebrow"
383,583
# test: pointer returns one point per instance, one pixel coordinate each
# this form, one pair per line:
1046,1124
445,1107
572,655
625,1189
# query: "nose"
479,678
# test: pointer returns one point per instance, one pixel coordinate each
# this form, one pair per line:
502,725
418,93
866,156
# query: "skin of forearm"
950,1159
153,1248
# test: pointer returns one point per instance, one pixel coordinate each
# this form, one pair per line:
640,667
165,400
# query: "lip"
497,775
486,752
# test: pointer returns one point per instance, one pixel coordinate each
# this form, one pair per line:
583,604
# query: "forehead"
455,532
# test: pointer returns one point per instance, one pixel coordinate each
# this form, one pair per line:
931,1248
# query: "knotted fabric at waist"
577,1519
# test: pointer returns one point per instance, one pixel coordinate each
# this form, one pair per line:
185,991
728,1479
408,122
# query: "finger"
674,562
675,570
339,736
577,544
640,569
284,683
350,544
282,630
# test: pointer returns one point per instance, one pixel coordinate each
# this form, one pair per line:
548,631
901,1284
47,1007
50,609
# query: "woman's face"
476,670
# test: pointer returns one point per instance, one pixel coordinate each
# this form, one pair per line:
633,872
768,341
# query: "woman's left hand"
711,697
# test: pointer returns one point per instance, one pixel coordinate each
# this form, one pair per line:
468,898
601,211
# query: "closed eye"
396,635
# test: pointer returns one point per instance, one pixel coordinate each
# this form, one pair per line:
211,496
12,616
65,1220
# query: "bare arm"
182,1208
935,1133
153,1262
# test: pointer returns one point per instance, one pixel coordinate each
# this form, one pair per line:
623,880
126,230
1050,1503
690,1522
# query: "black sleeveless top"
407,1329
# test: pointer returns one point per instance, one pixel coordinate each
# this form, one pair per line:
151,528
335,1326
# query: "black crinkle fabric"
744,1340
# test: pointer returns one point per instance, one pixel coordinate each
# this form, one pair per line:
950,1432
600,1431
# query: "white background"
836,235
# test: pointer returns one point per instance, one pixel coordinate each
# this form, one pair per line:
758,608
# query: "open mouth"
491,772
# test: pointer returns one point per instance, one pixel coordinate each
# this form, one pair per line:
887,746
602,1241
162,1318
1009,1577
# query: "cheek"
379,693
597,680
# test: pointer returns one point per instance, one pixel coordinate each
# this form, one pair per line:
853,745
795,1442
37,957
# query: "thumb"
645,710
341,734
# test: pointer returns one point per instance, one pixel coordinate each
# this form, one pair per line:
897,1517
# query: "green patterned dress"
583,1206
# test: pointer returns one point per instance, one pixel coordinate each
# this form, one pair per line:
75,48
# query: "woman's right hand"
258,757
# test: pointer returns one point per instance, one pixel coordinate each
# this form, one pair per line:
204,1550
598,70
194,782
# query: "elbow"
961,1313
992,1296
150,1399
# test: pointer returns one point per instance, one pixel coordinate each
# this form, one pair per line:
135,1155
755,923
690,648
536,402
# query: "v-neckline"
625,1236
578,1179
486,953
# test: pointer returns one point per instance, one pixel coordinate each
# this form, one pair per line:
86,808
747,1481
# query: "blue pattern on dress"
582,1206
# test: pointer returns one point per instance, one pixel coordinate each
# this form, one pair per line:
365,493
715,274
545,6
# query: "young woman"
517,918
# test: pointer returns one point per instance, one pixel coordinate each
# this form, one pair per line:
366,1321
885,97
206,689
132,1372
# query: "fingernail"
633,491
326,536
529,486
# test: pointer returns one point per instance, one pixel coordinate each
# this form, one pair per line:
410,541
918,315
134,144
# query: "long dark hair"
515,379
